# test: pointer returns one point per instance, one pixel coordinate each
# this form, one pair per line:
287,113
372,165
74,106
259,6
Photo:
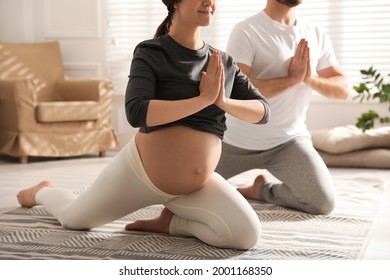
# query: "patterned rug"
287,234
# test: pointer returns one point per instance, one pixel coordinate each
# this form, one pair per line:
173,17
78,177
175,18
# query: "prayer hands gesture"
300,69
212,83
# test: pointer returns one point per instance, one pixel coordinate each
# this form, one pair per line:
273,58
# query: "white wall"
325,113
79,26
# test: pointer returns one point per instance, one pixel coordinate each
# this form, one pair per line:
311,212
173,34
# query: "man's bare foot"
253,191
159,224
26,197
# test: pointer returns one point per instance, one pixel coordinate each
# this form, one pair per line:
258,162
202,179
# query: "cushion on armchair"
67,111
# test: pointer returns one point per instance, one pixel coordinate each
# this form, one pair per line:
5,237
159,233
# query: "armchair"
43,113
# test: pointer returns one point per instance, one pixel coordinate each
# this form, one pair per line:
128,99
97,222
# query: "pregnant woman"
178,92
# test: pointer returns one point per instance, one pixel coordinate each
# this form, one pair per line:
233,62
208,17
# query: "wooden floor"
78,172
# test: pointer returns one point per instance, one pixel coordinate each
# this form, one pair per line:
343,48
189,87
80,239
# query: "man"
286,58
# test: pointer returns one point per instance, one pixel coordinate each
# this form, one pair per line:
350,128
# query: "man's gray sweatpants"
306,182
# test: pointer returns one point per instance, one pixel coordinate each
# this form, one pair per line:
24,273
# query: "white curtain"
360,30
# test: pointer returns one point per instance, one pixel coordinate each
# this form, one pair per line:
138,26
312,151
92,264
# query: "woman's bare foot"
159,224
253,191
26,197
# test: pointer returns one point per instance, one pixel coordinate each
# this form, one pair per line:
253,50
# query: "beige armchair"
43,113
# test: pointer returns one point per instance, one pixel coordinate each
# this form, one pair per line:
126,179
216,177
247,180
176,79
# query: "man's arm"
268,88
297,73
330,82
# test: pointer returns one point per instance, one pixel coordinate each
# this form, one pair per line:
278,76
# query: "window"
360,30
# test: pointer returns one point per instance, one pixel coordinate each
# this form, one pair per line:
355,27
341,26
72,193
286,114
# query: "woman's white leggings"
216,214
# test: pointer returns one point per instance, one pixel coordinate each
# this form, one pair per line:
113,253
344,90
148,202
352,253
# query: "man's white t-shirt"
267,47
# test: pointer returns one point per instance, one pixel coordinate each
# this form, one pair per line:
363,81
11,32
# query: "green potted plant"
374,86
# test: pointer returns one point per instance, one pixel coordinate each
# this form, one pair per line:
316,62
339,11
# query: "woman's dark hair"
166,24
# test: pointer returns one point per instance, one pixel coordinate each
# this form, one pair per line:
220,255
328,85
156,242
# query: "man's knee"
323,206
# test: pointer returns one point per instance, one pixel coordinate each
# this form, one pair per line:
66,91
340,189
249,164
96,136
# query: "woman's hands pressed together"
212,89
212,82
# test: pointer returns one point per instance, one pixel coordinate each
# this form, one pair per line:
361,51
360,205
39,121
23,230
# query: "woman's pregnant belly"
178,159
